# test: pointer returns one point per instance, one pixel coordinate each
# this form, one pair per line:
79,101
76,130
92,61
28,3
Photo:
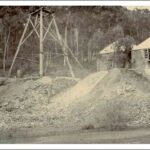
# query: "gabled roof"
144,45
108,49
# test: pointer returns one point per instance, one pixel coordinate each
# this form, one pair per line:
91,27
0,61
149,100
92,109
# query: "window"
146,53
149,54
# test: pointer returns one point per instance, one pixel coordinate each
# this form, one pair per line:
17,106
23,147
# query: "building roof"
108,49
144,45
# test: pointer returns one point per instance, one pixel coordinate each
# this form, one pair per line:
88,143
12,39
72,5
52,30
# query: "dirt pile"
115,99
23,103
78,91
120,99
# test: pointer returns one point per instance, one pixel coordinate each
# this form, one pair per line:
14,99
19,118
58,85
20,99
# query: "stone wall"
104,62
139,62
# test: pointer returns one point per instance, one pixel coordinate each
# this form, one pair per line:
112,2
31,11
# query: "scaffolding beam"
41,55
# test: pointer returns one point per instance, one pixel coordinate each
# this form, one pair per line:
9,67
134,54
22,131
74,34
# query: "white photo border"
74,3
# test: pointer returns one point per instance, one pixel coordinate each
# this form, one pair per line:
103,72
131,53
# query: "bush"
88,127
117,117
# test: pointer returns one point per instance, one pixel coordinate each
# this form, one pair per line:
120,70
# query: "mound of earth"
23,103
116,99
113,100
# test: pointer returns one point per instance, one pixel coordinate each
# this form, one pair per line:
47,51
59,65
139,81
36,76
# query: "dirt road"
136,136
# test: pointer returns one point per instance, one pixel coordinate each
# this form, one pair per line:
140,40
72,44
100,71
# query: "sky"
139,7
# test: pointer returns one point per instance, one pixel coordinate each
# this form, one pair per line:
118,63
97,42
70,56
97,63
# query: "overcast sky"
139,7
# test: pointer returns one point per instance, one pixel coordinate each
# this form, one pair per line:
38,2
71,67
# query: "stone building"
107,59
104,58
141,56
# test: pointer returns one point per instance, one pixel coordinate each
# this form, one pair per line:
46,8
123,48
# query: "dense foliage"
95,26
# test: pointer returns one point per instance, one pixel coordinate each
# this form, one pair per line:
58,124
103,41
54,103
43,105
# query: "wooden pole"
36,24
36,20
61,41
41,55
61,44
57,30
34,28
32,31
19,45
49,26
66,59
64,45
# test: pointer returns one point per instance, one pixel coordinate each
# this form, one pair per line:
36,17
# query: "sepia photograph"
74,74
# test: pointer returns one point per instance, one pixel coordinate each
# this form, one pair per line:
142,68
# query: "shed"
104,59
141,56
107,59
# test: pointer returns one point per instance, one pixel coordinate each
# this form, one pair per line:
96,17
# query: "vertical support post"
41,55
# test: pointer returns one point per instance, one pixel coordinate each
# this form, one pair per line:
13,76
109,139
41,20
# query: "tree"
95,43
122,54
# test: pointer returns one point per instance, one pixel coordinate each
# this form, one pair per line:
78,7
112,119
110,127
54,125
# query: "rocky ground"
23,102
114,100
